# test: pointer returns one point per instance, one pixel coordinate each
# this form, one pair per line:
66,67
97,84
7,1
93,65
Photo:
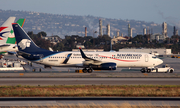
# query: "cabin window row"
103,57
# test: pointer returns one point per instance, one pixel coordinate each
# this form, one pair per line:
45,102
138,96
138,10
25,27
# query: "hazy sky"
156,11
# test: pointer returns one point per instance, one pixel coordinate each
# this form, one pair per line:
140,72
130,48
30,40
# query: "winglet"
82,53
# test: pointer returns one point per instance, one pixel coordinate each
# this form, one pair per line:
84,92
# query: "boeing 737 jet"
7,39
89,61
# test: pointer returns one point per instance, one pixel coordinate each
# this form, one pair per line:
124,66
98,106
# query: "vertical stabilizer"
24,42
5,29
11,38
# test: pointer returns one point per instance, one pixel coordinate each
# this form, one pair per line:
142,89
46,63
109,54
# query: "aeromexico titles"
89,61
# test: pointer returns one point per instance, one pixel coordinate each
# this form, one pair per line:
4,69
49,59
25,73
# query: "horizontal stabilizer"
11,53
23,53
4,45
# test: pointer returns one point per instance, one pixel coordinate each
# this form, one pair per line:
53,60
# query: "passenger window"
154,57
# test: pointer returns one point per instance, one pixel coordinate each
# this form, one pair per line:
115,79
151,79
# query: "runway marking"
21,74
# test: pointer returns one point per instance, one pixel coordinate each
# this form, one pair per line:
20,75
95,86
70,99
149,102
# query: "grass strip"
91,90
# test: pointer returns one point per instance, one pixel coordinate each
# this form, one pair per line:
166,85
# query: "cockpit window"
154,57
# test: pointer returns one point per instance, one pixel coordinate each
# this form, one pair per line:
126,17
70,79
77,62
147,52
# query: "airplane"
89,61
7,39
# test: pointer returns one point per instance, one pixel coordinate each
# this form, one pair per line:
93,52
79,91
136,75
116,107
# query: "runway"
102,101
89,81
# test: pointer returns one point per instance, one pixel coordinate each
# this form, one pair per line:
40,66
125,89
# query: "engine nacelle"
88,62
47,66
105,66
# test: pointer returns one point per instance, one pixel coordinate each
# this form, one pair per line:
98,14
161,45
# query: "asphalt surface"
89,81
65,77
102,101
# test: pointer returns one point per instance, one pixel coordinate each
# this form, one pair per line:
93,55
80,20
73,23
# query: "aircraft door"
146,58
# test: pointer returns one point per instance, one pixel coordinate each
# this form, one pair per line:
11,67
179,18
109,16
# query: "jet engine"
105,66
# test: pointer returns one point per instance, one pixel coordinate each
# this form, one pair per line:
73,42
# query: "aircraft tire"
171,71
143,70
90,70
84,70
149,71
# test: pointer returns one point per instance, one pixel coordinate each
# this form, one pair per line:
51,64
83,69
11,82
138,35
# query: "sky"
157,11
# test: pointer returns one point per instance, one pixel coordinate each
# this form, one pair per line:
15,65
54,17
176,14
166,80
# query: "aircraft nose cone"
160,61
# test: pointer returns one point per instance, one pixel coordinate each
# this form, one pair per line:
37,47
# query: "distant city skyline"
157,11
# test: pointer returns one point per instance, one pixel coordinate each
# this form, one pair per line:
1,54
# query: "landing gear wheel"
90,70
171,71
143,70
84,70
149,70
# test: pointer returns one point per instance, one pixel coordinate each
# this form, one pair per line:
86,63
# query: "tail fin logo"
1,33
24,43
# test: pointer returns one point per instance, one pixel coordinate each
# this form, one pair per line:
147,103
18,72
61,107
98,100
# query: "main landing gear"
143,70
89,70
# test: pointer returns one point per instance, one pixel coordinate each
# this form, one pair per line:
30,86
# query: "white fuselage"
122,59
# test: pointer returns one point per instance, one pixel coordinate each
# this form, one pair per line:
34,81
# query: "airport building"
118,39
157,51
157,37
52,39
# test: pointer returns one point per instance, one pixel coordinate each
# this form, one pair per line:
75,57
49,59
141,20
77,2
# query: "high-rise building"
148,31
108,30
100,27
164,29
144,31
129,31
117,33
121,34
176,32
